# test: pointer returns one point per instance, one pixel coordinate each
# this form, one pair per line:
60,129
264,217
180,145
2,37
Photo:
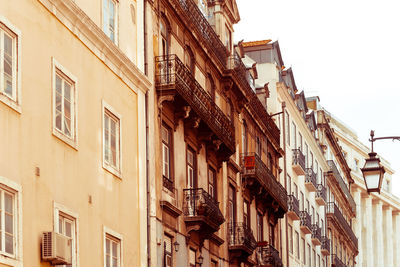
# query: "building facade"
377,221
72,138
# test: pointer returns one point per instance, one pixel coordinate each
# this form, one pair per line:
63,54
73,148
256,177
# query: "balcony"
175,82
336,217
305,222
299,162
262,183
320,196
201,212
311,180
241,241
238,72
268,256
345,190
191,15
325,246
336,262
316,237
293,208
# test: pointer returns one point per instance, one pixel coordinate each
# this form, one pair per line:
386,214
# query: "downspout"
285,178
146,65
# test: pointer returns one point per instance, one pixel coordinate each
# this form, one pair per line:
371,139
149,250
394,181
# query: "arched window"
164,30
189,59
210,86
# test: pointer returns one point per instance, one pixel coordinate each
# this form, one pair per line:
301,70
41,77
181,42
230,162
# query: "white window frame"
117,170
16,189
63,210
114,235
15,102
73,139
116,19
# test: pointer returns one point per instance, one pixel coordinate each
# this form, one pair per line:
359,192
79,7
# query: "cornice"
84,28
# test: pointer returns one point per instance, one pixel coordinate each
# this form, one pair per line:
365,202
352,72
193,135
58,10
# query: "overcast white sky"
345,51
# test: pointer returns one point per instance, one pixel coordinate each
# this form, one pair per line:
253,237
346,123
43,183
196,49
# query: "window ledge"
65,139
8,260
112,170
11,103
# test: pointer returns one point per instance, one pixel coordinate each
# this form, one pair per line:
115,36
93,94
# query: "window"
166,151
112,251
244,137
289,184
228,38
110,19
302,200
319,261
232,204
295,190
300,142
246,212
189,60
64,105
164,30
192,257
272,234
297,242
111,141
303,246
306,155
260,235
191,168
293,137
65,223
309,254
210,87
167,251
290,238
7,225
287,127
212,183
258,146
314,258
214,263
9,65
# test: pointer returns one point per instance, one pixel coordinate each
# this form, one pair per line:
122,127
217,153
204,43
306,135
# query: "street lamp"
200,260
373,171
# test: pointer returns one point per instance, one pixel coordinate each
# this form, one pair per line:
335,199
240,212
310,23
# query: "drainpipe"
146,71
285,177
147,184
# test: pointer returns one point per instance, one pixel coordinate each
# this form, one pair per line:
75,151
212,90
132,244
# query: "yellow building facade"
73,139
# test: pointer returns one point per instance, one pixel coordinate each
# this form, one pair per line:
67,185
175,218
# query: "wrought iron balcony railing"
194,19
293,208
240,73
172,75
336,262
342,184
316,236
268,256
240,237
299,162
311,180
320,196
305,222
333,211
198,205
252,166
326,246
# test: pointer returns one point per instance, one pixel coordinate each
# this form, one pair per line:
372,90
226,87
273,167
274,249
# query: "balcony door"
191,181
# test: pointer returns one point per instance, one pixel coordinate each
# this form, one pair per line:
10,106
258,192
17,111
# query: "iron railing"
316,232
240,73
268,255
293,205
305,219
171,73
252,166
240,234
321,191
337,262
326,244
311,177
194,19
342,184
299,158
198,203
333,210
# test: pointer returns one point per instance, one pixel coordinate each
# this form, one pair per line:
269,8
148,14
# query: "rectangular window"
191,168
293,137
295,190
260,235
110,19
289,184
7,222
8,63
290,238
167,151
311,160
301,200
297,242
306,155
214,263
228,38
192,258
112,251
258,146
303,247
309,254
272,234
319,261
314,258
65,223
287,127
167,251
246,212
232,204
300,142
212,183
111,141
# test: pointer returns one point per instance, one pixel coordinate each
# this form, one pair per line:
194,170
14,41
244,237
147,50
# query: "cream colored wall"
69,176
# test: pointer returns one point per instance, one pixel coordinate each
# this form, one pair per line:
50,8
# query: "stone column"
357,223
396,238
368,260
389,237
379,255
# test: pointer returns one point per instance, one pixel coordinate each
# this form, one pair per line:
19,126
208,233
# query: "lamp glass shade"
373,173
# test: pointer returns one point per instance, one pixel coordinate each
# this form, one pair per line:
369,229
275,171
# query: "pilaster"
379,255
368,259
388,236
396,236
358,223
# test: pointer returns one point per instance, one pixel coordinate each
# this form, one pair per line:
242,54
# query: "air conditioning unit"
56,248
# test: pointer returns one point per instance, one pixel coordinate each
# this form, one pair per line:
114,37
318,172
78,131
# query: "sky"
346,52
